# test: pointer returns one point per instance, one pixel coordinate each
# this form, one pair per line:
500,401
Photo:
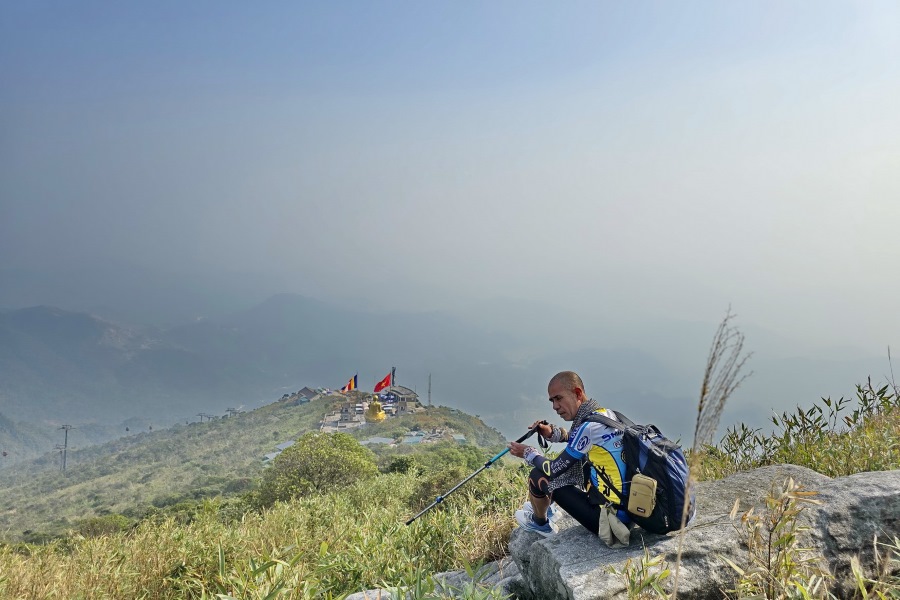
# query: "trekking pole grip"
531,432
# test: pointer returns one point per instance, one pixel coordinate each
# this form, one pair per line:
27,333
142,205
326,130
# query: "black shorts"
577,502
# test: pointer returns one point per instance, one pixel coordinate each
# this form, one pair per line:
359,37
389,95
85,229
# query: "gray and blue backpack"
655,488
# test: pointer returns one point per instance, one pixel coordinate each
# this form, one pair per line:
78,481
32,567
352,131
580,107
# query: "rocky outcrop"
502,575
575,565
855,511
499,574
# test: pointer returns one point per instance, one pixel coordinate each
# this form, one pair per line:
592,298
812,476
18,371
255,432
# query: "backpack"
656,476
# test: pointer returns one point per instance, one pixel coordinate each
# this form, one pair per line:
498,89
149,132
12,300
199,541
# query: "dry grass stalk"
721,378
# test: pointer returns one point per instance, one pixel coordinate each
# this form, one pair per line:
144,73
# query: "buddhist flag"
386,382
351,385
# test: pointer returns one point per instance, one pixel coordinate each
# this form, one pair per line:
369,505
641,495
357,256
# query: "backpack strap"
622,424
623,418
609,483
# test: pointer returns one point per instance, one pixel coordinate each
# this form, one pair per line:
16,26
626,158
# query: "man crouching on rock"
570,480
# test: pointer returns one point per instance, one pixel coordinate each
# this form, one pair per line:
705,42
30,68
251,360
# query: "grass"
139,474
323,546
777,566
835,438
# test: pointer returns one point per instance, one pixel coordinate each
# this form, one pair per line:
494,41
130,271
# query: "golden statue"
375,414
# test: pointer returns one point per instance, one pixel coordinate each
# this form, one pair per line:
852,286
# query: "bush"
490,486
442,455
436,484
105,525
402,464
317,463
832,438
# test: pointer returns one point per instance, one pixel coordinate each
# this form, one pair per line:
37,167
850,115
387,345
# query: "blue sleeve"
579,442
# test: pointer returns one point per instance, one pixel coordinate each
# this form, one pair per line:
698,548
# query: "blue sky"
652,160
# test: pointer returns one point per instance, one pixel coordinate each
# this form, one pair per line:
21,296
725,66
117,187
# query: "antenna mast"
65,446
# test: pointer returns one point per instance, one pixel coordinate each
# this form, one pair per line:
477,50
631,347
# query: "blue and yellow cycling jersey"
600,444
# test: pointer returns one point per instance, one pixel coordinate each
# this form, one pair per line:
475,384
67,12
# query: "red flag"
386,382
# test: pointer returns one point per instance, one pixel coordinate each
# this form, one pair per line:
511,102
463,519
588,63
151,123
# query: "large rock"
502,575
575,565
499,574
855,510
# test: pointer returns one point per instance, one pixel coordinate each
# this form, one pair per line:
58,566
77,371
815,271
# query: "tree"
317,463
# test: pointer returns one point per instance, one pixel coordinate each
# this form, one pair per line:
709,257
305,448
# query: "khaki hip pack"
642,495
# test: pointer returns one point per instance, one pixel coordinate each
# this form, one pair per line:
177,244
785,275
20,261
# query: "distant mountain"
61,366
130,293
64,366
291,335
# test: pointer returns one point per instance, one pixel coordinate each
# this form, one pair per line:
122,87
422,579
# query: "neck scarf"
586,408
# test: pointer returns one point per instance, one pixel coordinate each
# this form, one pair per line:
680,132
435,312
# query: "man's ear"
579,393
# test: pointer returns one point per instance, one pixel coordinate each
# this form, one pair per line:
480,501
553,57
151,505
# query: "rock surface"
500,575
575,565
855,511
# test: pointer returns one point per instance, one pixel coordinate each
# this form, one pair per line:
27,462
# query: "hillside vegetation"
21,441
833,437
352,537
142,474
24,441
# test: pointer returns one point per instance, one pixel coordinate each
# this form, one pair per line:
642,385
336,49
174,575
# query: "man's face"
565,401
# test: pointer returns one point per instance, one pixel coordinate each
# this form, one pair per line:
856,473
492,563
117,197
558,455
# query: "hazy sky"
643,159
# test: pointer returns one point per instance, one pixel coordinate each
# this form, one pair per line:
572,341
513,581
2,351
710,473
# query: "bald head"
567,379
566,392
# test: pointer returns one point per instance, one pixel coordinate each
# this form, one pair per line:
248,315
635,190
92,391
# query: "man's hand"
517,449
543,428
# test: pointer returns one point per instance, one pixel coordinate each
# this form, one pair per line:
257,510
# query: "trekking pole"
483,467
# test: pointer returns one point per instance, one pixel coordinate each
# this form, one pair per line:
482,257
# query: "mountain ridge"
111,371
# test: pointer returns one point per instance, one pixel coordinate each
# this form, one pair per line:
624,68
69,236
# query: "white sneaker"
525,519
552,515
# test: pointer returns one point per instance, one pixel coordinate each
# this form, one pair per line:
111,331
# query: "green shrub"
402,464
317,463
830,438
105,525
492,487
442,455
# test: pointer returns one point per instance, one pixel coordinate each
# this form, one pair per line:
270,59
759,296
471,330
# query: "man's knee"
538,483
